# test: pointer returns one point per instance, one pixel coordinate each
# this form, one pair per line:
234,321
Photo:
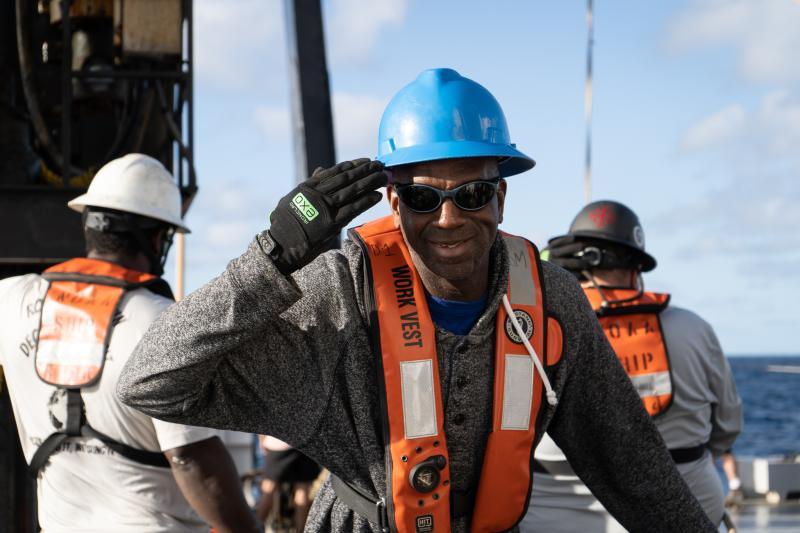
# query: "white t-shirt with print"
86,487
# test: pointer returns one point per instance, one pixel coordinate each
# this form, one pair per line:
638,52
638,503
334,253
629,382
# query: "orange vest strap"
646,302
98,272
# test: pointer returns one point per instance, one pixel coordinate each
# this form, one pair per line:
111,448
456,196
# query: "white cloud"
773,127
223,233
227,215
751,216
356,118
764,33
779,116
720,127
237,40
274,122
356,25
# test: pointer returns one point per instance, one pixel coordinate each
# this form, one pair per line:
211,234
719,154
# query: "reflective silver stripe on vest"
655,384
68,336
517,392
419,400
523,291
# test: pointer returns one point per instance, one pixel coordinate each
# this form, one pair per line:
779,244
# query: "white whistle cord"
551,394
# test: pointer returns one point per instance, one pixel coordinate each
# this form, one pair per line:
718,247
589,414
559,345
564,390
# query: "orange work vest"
76,319
75,328
634,330
418,476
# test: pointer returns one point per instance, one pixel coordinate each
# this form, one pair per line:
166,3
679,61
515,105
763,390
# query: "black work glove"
561,251
315,212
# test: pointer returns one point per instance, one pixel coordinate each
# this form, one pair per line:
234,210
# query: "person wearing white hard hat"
66,334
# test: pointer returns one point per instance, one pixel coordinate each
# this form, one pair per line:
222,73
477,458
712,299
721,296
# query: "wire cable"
551,394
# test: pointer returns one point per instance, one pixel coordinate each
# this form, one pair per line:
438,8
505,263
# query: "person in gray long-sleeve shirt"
702,418
279,343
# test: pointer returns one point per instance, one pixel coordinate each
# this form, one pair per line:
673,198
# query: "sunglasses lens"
475,195
419,198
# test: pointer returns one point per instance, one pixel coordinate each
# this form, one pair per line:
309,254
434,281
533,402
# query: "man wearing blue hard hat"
423,361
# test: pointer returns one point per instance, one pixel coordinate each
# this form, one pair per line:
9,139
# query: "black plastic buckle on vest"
461,503
361,504
383,515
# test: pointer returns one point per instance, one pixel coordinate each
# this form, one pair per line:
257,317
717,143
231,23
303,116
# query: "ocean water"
771,406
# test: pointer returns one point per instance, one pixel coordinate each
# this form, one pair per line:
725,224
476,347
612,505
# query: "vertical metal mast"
312,121
587,104
188,58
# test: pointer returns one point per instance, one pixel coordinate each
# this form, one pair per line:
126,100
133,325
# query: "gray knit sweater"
260,352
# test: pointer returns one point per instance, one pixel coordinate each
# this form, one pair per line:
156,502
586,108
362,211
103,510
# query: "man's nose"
450,216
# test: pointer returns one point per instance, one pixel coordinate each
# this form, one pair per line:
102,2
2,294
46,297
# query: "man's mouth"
447,245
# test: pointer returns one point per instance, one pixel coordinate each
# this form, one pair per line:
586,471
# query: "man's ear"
501,199
394,204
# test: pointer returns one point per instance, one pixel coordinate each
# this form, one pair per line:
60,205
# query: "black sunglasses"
471,196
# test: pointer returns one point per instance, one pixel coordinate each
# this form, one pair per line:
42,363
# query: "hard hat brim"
86,200
512,160
648,261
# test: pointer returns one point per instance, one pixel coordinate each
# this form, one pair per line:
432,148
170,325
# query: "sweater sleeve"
605,432
251,351
726,415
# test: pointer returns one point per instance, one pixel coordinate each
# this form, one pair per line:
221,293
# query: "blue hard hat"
443,115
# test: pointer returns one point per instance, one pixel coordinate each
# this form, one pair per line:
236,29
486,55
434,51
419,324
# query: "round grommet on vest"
425,476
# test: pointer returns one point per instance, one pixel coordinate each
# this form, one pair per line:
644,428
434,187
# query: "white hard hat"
138,184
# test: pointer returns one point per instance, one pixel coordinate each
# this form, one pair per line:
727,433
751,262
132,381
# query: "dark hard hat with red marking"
612,222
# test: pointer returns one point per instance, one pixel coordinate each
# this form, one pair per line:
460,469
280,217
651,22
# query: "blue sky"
696,127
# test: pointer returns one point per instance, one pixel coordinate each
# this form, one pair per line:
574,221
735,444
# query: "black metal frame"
312,120
42,240
183,159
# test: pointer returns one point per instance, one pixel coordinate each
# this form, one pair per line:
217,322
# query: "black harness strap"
44,451
362,505
76,426
562,468
553,468
144,457
461,503
75,416
688,455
